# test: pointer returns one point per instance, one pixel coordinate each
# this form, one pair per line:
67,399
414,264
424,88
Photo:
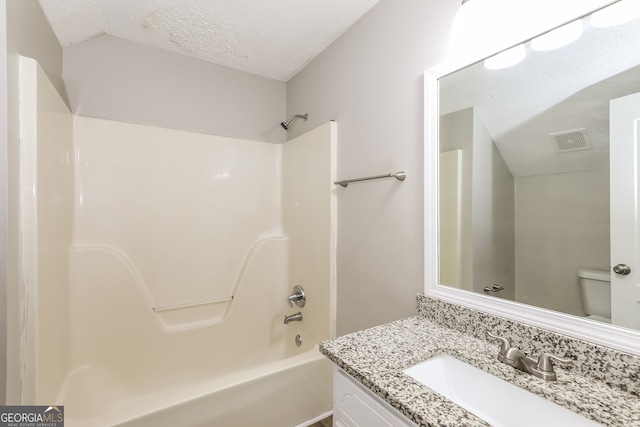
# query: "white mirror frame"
610,336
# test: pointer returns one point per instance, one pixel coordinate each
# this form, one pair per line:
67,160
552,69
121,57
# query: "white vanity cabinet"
356,406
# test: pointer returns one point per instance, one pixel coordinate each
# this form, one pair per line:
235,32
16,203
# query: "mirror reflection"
529,209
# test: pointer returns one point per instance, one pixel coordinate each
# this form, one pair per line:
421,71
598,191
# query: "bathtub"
279,394
240,368
155,299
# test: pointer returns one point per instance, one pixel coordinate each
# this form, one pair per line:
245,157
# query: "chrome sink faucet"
514,357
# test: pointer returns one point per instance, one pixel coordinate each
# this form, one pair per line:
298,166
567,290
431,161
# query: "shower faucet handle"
298,296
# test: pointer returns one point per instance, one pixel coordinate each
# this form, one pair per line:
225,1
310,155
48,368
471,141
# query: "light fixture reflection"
508,58
559,37
616,14
483,27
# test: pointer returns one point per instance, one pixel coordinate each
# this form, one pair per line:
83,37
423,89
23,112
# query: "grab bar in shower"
400,176
191,304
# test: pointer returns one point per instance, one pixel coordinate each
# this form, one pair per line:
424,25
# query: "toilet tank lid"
595,274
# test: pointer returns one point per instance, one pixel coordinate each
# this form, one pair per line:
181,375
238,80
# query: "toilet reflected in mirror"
595,286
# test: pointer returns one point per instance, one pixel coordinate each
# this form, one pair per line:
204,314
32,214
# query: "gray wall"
28,34
370,81
493,212
488,205
562,225
115,79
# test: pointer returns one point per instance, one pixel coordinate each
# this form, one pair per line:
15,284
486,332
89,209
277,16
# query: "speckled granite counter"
376,357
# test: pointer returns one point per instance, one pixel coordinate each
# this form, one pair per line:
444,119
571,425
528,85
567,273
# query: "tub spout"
297,317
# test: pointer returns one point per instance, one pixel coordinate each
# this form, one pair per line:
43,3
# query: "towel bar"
400,176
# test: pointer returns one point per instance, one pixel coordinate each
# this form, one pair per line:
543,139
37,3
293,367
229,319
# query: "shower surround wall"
46,205
162,273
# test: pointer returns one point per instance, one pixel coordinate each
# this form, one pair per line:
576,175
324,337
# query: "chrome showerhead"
285,125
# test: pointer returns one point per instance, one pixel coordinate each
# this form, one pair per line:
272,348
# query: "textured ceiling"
271,38
551,92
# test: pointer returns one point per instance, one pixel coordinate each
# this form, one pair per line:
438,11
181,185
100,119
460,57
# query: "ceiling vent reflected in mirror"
572,140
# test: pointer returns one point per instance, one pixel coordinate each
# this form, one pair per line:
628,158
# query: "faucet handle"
545,362
298,296
505,344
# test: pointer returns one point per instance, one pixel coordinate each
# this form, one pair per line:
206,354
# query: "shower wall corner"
46,204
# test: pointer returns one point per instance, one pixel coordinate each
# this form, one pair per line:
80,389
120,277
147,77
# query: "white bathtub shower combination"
157,265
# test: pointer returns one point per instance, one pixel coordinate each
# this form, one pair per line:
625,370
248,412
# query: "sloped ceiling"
551,92
273,38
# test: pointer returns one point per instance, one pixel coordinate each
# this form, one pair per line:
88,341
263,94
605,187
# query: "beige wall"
563,218
29,34
370,81
115,79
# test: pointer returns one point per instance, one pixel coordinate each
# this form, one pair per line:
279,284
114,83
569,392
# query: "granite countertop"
376,357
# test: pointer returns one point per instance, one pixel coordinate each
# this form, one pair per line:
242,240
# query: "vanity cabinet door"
355,406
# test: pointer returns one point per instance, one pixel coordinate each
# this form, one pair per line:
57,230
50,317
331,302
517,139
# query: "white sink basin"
496,401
